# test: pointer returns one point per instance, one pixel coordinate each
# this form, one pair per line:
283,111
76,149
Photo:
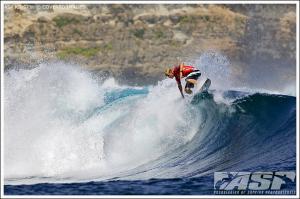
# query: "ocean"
69,133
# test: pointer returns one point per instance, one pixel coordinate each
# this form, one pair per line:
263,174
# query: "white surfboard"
205,86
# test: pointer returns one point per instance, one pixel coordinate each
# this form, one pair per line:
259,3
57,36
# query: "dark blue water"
181,186
255,133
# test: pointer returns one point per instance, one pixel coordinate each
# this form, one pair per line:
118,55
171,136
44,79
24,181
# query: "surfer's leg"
191,80
189,84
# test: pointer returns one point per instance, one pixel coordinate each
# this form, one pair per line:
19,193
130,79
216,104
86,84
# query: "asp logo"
257,181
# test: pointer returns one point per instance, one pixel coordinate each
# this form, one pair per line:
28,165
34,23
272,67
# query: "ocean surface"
69,133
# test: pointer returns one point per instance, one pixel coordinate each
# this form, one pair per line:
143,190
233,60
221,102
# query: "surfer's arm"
179,80
180,70
180,88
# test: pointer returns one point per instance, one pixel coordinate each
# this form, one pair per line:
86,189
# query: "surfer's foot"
188,91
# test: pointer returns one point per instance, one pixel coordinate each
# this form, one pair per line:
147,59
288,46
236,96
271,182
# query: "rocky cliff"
136,42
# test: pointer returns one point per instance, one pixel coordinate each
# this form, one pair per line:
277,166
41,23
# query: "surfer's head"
169,73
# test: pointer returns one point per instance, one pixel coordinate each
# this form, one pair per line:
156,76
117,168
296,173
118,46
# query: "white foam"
42,108
219,69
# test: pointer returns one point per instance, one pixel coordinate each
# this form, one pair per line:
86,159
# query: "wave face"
63,125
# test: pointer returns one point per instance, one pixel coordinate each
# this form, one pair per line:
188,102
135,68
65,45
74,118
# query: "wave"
63,125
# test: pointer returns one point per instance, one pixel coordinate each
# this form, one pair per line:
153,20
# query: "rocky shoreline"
134,43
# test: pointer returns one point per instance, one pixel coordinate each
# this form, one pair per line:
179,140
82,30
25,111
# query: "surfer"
190,72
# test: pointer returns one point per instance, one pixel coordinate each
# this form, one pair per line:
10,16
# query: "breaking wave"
61,124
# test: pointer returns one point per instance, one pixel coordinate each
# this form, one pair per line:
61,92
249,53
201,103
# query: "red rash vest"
186,70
